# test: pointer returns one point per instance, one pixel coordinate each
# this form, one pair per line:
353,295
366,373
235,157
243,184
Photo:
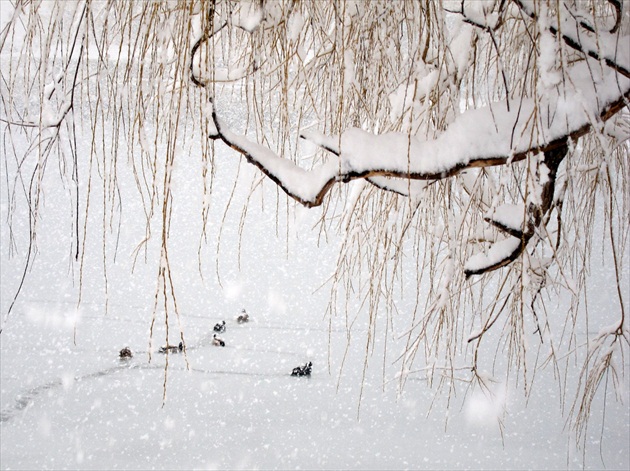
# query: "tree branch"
574,42
473,140
535,215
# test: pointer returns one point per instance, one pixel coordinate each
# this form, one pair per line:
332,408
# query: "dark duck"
302,370
125,353
217,341
220,327
242,317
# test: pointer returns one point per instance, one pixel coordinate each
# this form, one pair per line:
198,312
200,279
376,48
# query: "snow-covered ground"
67,406
76,405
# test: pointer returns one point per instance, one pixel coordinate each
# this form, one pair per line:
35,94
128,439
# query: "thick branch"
306,187
510,249
474,139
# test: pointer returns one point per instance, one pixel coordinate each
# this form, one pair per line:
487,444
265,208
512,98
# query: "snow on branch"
481,137
306,187
509,218
504,252
499,255
607,47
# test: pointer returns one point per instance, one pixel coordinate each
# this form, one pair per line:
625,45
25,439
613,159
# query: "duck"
302,370
125,353
217,341
220,327
243,317
172,348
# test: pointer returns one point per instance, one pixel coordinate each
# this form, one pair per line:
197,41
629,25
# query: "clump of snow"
295,26
348,69
322,140
498,252
276,302
482,132
408,93
548,53
247,15
486,406
232,289
480,12
51,117
460,46
511,216
295,179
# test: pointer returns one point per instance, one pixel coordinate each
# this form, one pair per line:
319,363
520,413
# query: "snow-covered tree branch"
478,137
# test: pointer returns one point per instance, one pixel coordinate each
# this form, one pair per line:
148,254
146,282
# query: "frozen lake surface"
237,407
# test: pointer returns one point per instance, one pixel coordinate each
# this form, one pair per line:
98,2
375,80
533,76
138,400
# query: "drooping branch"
477,138
505,252
67,106
208,33
306,187
483,137
616,4
571,36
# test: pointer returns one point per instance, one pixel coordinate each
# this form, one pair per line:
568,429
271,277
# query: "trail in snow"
25,399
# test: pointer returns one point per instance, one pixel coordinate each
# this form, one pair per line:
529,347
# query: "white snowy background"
68,402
